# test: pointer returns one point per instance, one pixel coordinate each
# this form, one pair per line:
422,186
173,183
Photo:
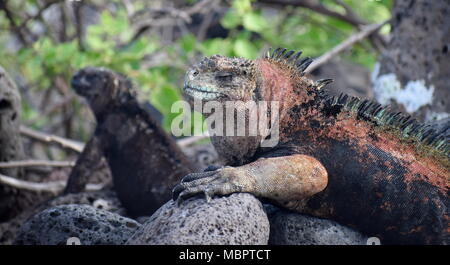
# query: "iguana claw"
218,182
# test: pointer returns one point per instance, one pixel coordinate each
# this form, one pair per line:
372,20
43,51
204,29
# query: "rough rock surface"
90,225
106,200
418,51
289,228
235,219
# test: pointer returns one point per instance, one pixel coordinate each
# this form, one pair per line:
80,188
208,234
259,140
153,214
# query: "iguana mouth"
201,93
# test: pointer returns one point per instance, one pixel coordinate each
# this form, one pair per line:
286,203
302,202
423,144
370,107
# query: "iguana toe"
210,183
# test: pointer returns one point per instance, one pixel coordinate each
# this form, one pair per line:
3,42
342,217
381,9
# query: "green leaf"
188,42
242,6
216,46
164,97
246,49
33,68
78,60
65,51
254,22
96,42
230,20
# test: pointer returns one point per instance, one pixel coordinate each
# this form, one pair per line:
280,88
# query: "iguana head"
221,78
276,76
93,83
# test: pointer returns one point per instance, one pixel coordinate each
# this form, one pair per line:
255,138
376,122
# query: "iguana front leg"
285,180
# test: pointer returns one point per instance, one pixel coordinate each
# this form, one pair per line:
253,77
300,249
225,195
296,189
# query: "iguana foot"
222,181
280,179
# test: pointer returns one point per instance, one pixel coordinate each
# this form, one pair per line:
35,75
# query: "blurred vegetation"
156,64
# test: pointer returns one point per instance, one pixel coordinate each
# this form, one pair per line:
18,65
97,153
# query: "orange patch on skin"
348,128
418,167
280,84
276,81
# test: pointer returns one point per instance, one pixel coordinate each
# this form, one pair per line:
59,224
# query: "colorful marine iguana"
339,158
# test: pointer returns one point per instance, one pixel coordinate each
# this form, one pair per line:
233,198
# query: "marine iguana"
145,161
338,157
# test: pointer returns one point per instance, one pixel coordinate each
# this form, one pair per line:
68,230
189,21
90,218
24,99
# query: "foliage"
251,30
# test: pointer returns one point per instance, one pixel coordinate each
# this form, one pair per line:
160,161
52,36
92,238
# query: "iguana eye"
224,77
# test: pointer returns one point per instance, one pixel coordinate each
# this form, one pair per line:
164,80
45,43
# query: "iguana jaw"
201,93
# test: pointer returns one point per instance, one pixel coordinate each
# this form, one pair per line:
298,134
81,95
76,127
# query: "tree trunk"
414,73
10,143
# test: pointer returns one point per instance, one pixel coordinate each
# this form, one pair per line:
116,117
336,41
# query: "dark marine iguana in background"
145,161
339,158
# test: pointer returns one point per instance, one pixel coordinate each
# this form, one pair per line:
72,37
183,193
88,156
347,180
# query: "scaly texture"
340,158
145,162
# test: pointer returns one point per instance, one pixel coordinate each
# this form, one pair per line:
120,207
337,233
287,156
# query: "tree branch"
365,32
49,138
15,28
47,5
317,7
54,187
182,15
184,142
79,25
349,16
36,163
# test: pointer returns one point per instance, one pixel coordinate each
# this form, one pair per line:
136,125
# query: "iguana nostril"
195,73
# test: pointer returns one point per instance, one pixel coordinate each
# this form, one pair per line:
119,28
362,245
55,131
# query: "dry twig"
54,187
350,17
184,142
36,163
365,32
49,138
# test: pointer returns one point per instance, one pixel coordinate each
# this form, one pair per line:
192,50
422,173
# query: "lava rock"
236,219
89,225
288,228
104,199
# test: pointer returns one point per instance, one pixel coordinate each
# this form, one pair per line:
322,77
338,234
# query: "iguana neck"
297,95
278,82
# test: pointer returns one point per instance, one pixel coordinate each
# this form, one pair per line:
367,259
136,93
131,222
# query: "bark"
11,147
414,73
